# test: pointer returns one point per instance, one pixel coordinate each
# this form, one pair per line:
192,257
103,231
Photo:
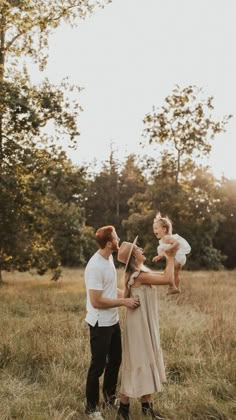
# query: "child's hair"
165,222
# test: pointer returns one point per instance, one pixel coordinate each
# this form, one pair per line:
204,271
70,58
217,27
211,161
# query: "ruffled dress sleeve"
132,278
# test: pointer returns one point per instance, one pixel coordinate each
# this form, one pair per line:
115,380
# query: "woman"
142,371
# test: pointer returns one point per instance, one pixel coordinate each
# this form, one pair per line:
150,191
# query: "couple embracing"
140,354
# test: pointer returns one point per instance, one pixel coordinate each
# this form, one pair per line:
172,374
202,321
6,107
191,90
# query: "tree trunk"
2,61
118,201
178,169
2,46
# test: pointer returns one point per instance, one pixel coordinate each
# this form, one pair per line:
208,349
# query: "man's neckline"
105,257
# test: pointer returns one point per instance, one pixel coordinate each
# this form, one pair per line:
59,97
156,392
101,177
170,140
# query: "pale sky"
130,55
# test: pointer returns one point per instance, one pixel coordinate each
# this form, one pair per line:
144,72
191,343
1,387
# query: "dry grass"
44,348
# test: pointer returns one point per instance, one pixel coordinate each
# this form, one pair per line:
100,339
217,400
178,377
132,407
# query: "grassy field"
44,348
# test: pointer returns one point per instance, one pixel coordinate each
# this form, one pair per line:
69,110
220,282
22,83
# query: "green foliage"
102,196
38,210
204,218
28,23
225,238
132,182
108,193
42,218
184,124
193,208
210,258
27,110
71,238
50,208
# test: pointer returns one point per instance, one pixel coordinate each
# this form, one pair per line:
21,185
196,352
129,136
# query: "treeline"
50,207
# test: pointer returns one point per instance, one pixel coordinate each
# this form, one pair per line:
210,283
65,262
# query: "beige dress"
142,369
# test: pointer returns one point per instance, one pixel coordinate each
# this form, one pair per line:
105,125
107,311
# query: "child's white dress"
183,250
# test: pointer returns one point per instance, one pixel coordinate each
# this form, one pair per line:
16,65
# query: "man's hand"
132,303
100,302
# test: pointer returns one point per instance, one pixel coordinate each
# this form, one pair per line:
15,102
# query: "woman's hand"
170,252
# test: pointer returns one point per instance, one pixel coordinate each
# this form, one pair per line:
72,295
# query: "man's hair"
104,235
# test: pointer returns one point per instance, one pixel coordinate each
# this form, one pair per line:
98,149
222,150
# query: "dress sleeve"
132,278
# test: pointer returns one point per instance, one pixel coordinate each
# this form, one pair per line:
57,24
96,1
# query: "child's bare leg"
172,290
170,253
176,274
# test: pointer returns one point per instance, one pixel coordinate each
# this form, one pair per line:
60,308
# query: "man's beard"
115,248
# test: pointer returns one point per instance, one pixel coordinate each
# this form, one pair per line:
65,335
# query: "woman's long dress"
142,370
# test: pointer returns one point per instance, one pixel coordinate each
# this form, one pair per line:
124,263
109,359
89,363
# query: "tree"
66,185
25,26
131,182
42,219
201,218
109,192
24,240
185,125
225,238
25,112
102,201
192,206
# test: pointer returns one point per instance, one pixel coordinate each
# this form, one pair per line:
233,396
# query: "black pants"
105,343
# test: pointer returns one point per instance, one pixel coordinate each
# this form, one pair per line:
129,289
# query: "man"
103,300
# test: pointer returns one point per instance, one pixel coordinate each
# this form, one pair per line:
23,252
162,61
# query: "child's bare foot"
173,290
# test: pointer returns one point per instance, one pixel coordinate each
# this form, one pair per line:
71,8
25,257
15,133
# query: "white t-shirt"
100,274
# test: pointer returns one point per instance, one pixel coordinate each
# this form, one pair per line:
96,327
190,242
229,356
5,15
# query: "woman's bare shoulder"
144,277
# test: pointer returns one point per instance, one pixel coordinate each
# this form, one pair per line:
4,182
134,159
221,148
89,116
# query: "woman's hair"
165,222
131,268
126,288
104,235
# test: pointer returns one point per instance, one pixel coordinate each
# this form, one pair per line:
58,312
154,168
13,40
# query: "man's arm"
100,302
